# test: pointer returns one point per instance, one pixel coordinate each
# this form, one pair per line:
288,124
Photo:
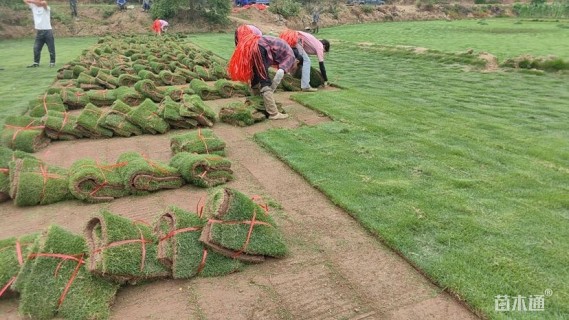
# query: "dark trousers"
257,76
73,5
44,37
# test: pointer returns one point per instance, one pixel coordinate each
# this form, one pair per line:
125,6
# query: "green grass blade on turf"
203,141
24,133
239,228
142,175
203,170
122,250
179,247
32,182
58,284
92,181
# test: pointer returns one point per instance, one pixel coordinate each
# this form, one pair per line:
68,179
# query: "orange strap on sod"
202,263
18,129
64,257
5,287
175,232
46,175
142,242
203,139
200,206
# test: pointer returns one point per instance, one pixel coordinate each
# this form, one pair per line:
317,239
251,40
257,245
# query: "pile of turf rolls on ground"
74,98
116,119
172,79
227,88
142,175
13,251
241,114
128,80
54,282
129,96
202,170
149,75
60,125
24,133
192,106
88,123
6,156
146,116
102,98
239,228
198,141
93,182
205,91
106,80
122,250
42,104
149,90
33,182
180,250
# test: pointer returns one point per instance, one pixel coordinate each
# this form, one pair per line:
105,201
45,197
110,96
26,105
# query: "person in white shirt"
44,35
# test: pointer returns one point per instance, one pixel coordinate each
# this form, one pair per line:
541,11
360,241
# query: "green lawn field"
463,172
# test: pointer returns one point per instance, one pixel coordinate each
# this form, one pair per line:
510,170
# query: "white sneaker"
278,116
309,89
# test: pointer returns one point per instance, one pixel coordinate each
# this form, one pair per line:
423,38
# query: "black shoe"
35,65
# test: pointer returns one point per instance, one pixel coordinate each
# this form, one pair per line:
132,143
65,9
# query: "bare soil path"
335,270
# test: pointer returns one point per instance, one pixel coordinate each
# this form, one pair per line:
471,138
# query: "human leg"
305,78
38,45
50,41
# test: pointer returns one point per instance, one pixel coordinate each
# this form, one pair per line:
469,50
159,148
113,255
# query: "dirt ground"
335,269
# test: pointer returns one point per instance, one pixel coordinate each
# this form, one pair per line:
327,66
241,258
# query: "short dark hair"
326,44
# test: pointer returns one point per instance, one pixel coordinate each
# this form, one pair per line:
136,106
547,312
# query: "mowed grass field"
463,172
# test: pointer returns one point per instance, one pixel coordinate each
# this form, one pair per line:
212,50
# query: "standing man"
307,44
251,60
160,26
42,23
73,5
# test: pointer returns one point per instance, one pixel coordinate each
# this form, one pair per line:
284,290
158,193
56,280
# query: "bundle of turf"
241,114
61,126
146,117
32,182
122,69
54,282
88,81
128,80
6,156
202,170
140,65
42,104
239,228
193,107
169,110
290,83
202,141
88,123
101,98
13,251
148,89
77,69
74,98
107,80
156,65
116,119
93,182
175,93
205,91
24,133
142,175
227,88
122,250
188,74
180,250
172,79
129,95
219,70
65,74
204,73
200,60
